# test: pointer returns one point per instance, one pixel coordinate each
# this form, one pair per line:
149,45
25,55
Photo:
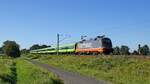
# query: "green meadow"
20,71
114,69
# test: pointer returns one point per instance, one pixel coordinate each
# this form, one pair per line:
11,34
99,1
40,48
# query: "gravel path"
69,77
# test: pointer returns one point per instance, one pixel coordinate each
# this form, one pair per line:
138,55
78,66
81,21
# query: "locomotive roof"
43,49
98,37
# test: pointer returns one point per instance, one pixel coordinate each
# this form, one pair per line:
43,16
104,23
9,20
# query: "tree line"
12,49
124,50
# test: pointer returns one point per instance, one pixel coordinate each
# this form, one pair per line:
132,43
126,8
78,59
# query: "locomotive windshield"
106,42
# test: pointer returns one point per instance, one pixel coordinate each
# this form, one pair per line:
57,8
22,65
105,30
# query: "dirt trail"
69,77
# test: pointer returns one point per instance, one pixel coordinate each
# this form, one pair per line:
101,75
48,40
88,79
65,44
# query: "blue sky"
126,22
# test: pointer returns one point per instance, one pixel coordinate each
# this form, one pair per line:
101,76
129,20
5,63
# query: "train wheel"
78,53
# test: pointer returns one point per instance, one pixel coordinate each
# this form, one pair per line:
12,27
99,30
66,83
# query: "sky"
28,22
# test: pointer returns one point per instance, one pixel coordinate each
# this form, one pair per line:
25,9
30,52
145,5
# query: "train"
95,46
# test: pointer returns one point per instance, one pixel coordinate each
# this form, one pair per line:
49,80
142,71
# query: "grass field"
115,69
5,70
19,71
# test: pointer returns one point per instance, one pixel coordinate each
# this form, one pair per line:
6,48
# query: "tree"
37,46
11,48
116,50
34,47
44,46
139,47
135,52
124,50
1,50
144,50
24,51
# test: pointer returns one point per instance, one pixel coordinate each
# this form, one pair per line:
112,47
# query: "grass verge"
19,71
5,70
31,74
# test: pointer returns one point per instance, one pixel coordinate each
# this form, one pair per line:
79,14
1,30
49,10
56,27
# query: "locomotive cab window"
106,43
